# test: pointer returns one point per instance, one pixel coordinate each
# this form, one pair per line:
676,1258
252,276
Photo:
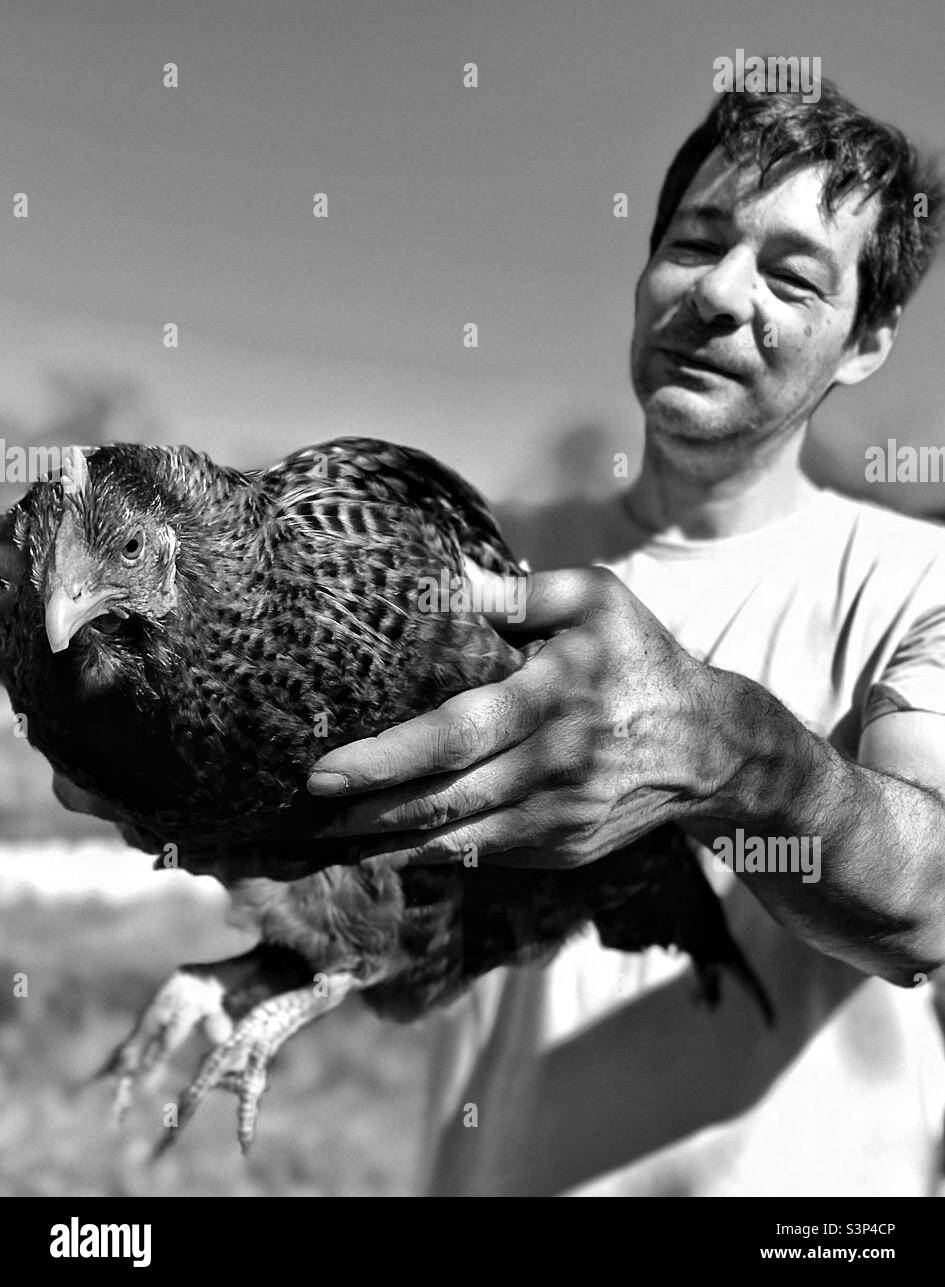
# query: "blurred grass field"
342,1115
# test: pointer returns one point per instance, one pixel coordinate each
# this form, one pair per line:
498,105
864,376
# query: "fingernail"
321,782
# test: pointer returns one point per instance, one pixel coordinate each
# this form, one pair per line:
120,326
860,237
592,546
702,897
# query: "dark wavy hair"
860,155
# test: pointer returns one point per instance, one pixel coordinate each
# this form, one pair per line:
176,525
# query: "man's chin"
690,415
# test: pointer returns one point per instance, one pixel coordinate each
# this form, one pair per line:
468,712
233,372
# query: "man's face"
743,312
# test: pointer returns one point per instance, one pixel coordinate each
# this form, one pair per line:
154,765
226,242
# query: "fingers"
475,725
76,800
142,840
553,601
444,799
489,835
463,731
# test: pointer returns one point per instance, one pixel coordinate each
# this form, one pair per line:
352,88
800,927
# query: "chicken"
186,640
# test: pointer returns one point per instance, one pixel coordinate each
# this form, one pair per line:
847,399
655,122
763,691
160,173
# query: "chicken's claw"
241,1064
187,1000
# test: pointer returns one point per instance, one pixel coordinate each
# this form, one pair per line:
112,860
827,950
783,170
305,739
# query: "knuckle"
459,742
572,858
607,587
583,657
601,576
435,811
585,823
591,717
568,769
449,848
536,819
580,850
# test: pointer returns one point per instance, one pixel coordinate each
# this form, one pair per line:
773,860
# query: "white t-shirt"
601,1072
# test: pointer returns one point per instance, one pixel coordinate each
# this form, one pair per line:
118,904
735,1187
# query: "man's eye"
795,283
695,245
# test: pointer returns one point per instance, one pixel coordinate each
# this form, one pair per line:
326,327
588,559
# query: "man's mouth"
681,358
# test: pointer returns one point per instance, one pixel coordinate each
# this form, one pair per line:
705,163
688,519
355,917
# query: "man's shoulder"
830,530
873,575
875,542
878,522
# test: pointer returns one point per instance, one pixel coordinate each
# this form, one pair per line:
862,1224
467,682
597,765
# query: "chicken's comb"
75,471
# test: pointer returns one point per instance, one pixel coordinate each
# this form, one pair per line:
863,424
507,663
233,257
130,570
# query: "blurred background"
447,205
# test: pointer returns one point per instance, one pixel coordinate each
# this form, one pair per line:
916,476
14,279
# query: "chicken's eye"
133,546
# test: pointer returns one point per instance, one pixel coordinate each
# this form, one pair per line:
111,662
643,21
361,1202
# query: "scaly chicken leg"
269,992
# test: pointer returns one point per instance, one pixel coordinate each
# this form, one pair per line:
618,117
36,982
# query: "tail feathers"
709,975
672,904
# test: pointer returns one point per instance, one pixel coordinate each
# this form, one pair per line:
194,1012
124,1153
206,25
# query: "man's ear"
868,353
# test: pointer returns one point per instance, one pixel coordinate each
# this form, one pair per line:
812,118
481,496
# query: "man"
786,678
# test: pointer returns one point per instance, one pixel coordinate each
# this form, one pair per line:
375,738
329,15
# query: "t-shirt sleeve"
914,676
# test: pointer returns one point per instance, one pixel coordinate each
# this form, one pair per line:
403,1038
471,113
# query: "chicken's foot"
241,1063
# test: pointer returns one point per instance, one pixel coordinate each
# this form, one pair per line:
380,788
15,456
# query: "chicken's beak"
69,608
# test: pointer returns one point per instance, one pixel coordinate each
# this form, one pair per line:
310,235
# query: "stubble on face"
744,311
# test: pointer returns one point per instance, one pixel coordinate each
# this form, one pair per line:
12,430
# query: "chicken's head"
113,556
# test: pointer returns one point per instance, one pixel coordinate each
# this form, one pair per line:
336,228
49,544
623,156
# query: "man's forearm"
880,901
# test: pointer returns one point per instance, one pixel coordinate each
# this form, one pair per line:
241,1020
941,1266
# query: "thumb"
541,602
76,800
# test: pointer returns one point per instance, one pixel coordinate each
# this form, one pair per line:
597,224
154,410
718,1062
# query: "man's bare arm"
880,901
612,730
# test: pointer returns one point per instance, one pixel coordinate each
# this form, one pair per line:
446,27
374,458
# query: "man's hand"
78,801
601,736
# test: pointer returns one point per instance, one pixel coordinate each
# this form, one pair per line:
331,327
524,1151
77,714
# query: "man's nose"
723,292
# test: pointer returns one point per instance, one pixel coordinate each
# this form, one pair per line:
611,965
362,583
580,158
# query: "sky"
446,205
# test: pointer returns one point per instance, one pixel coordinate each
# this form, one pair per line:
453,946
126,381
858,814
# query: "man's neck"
701,494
